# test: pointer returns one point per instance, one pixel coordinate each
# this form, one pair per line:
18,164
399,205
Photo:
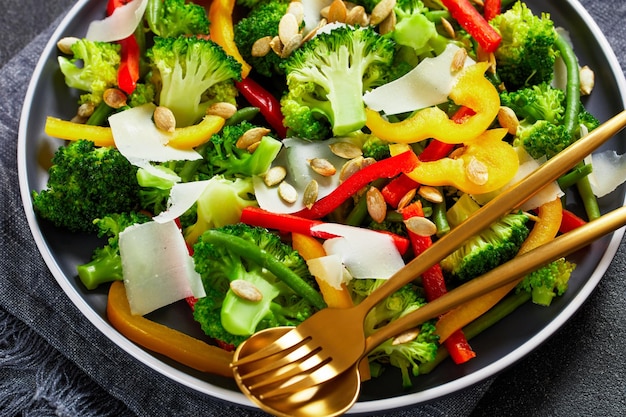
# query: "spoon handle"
507,273
511,198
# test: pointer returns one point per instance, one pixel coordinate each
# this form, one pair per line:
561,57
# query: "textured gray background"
52,362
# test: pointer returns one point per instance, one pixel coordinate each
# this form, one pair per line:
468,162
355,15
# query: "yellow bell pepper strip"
169,342
222,31
64,129
189,137
485,164
545,229
183,137
311,248
471,90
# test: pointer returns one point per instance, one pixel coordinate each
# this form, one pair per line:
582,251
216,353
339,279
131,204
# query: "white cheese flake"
139,140
158,269
426,85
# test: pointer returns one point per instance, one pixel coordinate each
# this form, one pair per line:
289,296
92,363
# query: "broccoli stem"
491,317
250,251
570,118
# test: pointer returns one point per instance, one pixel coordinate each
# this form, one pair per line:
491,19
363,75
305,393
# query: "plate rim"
238,398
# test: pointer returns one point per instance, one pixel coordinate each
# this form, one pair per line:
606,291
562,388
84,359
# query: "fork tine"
300,354
288,342
323,372
301,368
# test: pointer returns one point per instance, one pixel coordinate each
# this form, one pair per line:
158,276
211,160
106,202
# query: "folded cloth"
53,361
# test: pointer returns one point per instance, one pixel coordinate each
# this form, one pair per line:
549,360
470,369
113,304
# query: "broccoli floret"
220,204
106,263
155,189
86,183
263,261
207,312
261,21
172,18
188,69
326,79
226,158
494,246
403,301
543,138
537,102
414,29
586,119
142,94
407,356
92,68
376,148
541,109
526,54
548,282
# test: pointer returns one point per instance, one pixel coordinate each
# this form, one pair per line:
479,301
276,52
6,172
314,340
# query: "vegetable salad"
265,159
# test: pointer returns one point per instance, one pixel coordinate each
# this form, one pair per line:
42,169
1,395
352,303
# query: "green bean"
243,114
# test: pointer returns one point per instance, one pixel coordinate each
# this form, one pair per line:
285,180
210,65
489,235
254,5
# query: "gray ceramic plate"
497,348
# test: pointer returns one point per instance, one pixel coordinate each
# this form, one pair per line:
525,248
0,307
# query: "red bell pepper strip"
474,23
394,191
386,168
397,188
570,221
128,71
491,9
255,216
435,286
268,105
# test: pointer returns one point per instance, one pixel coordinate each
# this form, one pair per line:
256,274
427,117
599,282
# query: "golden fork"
332,340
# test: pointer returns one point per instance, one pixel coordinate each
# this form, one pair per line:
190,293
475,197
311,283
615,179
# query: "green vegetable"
258,257
405,356
92,68
86,183
261,21
326,78
225,158
173,18
547,282
106,263
526,55
414,29
536,102
495,245
208,211
376,148
155,189
193,74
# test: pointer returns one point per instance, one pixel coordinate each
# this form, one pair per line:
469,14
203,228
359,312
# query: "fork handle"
508,273
511,198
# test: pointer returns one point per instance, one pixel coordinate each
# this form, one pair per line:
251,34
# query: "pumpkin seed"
421,226
246,290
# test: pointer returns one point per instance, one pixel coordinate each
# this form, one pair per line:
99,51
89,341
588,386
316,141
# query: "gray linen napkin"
54,362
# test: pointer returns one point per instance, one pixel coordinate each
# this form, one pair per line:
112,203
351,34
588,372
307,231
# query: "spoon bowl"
331,398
